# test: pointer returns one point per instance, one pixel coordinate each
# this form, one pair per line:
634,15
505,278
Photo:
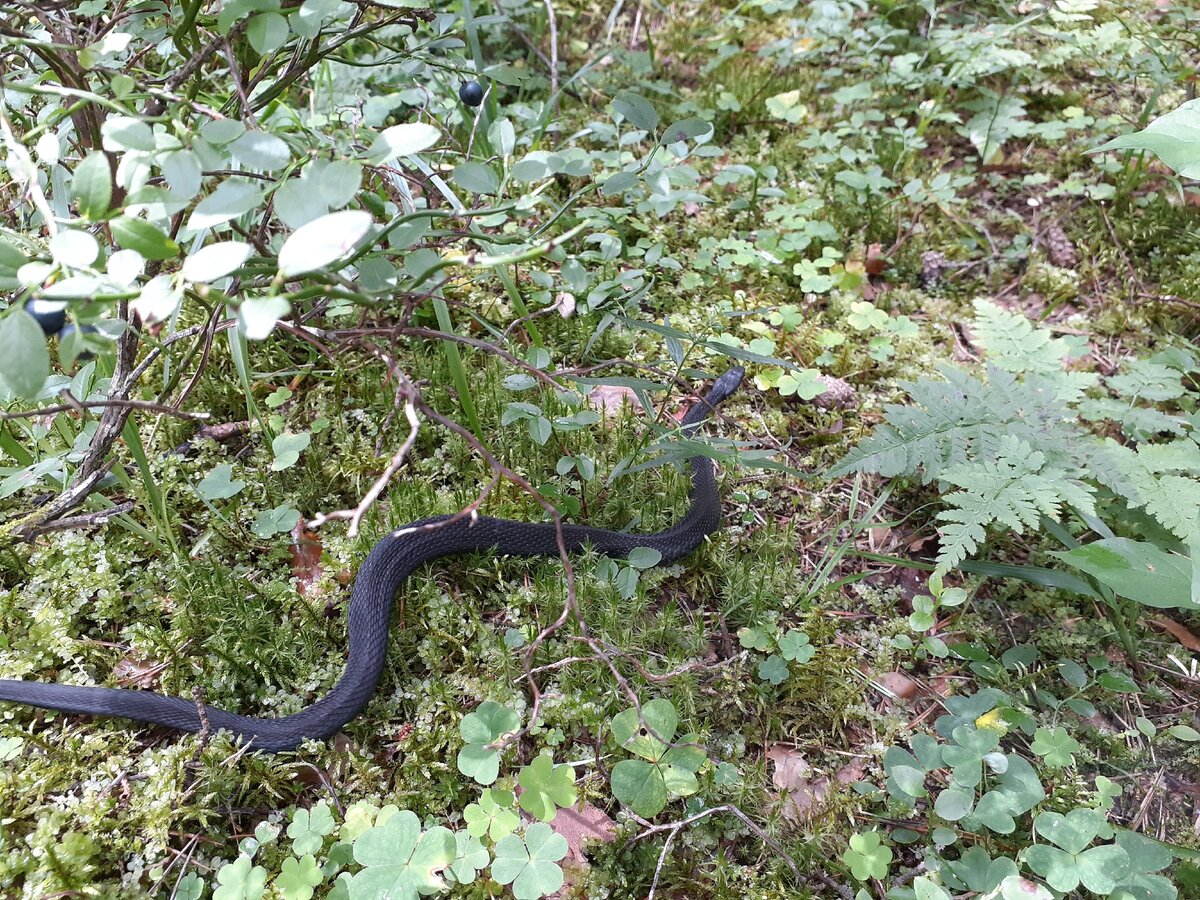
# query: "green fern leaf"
1015,345
1015,490
964,419
1173,500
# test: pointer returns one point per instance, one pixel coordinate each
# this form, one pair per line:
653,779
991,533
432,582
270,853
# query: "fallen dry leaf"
899,684
610,398
876,262
803,795
139,673
581,824
1177,631
306,557
851,772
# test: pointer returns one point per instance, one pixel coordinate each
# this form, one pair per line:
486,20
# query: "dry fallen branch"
673,829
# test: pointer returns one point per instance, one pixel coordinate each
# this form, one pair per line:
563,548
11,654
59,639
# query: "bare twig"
356,515
673,829
78,405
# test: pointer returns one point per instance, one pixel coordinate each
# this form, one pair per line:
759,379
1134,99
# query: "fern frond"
964,419
1015,490
1173,500
1014,344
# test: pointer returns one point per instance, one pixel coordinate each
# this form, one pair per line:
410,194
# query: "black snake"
389,563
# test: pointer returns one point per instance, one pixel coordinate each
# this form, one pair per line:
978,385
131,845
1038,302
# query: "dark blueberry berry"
471,93
51,315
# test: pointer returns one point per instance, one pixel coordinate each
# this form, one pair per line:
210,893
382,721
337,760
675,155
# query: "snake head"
726,384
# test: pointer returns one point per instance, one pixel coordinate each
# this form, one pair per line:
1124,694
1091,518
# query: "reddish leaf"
1177,631
131,671
306,557
580,824
876,262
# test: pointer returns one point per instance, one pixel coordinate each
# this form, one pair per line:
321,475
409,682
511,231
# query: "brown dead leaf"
610,398
137,673
1177,631
581,824
803,795
875,262
851,772
899,684
306,557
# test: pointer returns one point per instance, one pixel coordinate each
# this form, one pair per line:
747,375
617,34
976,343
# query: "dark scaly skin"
391,561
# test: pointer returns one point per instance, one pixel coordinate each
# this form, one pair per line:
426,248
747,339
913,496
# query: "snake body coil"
389,563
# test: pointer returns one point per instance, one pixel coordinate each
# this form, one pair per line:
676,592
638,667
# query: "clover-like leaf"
773,669
867,856
480,729
546,787
1098,869
220,484
965,756
795,646
1072,832
754,639
287,448
979,872
298,877
640,786
189,887
492,815
240,880
470,856
401,862
954,803
649,734
309,828
270,522
1055,746
530,864
928,889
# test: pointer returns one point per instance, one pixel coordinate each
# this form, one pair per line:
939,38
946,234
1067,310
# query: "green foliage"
1174,138
400,860
977,787
792,646
240,880
493,815
312,197
530,863
546,787
489,723
1012,450
867,857
667,767
309,827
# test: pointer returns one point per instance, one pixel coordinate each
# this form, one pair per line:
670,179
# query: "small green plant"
481,730
867,856
781,648
529,863
1014,450
546,787
969,784
667,767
